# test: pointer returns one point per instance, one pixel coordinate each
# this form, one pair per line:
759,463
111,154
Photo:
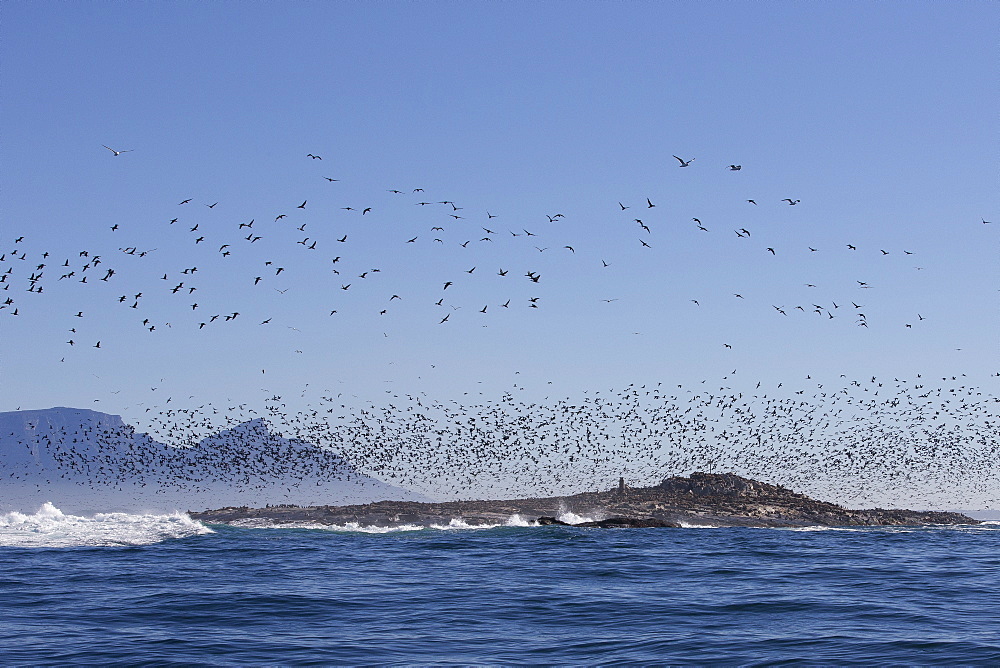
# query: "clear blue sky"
880,119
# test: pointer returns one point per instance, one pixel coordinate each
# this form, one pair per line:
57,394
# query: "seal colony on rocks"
701,499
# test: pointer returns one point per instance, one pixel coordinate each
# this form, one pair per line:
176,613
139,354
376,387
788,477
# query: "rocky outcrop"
701,499
611,523
724,485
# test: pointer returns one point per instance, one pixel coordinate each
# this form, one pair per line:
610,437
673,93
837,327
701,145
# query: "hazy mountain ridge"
86,459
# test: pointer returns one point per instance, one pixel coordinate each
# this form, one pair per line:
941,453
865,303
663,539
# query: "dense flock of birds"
851,441
914,441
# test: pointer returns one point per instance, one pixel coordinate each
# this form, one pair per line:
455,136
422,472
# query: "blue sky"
879,118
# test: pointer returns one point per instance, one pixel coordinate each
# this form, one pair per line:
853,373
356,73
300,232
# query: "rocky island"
701,499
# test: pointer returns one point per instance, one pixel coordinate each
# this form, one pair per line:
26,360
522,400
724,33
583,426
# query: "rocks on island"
701,499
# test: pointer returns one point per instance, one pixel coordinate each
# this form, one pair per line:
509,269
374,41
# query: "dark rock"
727,485
628,523
611,523
550,521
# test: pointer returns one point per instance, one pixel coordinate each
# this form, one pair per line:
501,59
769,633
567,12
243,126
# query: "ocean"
163,589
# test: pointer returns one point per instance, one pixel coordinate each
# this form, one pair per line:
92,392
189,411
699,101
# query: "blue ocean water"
162,589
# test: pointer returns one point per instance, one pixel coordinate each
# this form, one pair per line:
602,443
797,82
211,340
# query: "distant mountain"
85,461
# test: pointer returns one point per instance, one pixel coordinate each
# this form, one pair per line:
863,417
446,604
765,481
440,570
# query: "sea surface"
149,589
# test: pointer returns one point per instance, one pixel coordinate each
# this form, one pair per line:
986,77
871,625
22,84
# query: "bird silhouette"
117,153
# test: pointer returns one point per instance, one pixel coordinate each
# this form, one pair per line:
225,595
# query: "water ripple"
509,595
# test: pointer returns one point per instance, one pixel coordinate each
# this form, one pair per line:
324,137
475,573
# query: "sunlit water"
155,589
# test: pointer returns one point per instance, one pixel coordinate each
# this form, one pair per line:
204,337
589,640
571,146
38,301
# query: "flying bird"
117,152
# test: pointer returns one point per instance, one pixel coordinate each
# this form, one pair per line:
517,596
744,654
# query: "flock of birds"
291,250
860,431
921,441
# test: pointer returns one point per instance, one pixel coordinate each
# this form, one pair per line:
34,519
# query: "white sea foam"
688,525
572,518
459,523
50,527
350,527
516,520
354,527
986,525
905,528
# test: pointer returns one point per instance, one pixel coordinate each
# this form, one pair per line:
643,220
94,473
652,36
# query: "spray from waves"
572,518
50,527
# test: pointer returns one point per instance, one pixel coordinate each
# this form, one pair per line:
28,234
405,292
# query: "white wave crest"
572,518
349,527
50,527
986,525
457,523
354,527
516,520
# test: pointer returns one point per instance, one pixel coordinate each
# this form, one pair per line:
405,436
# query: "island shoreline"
699,500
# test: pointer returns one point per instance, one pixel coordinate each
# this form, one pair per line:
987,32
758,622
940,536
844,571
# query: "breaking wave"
572,518
354,527
50,527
